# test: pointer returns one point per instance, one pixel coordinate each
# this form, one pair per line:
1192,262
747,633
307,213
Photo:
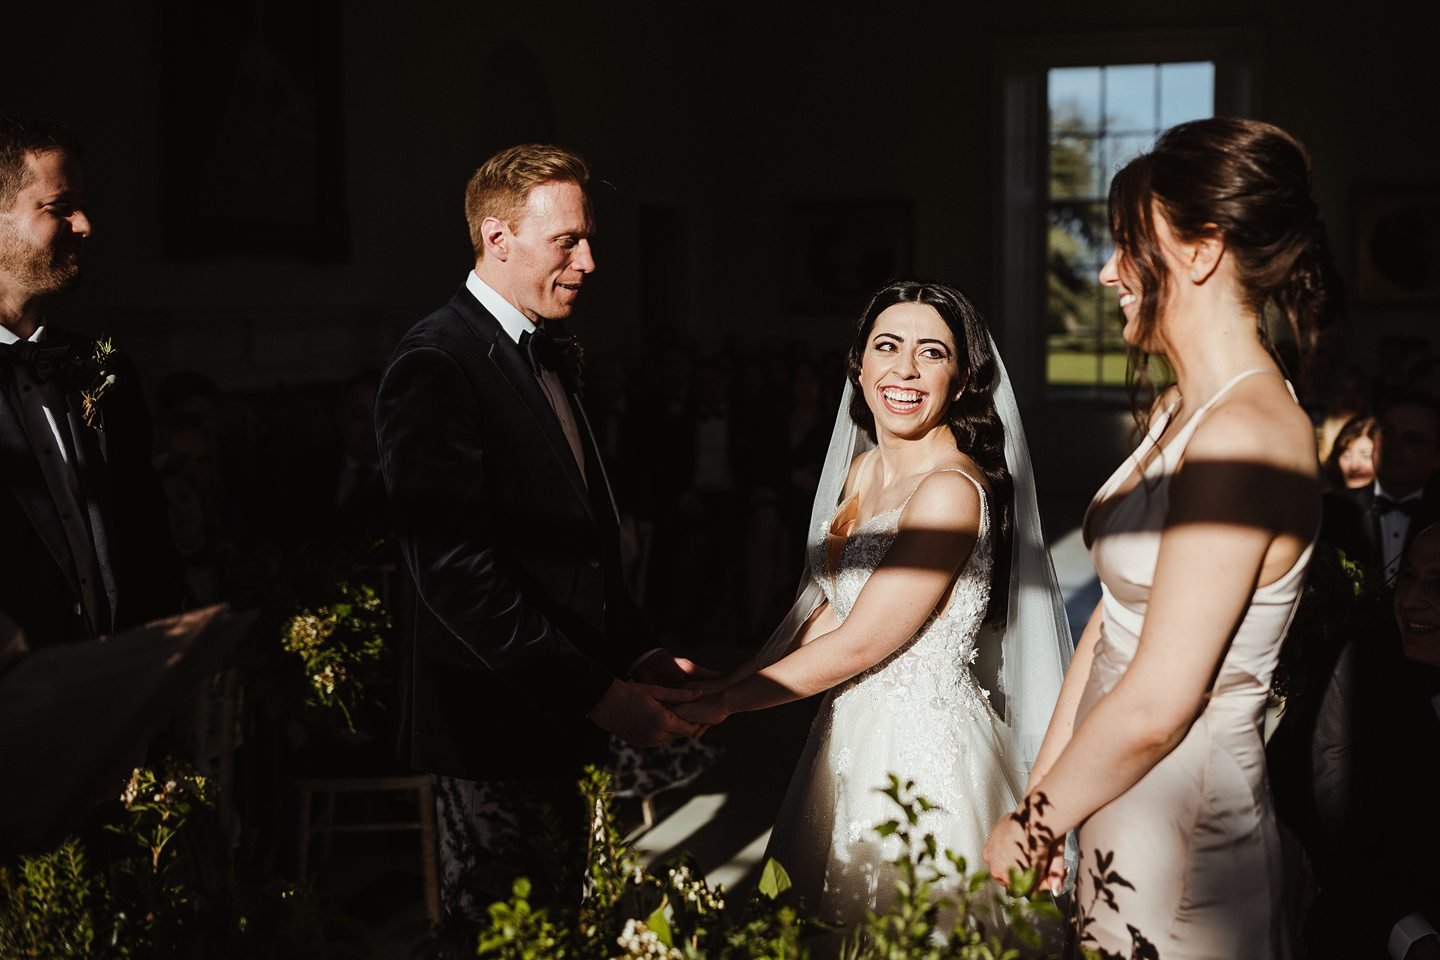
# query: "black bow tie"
43,361
1384,505
544,351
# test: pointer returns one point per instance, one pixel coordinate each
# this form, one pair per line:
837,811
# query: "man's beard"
40,271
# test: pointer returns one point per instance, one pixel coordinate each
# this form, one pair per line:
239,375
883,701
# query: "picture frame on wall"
840,252
1396,243
252,127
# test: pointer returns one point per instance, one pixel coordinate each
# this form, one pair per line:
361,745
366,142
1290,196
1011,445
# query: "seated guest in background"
1374,524
1346,397
1351,464
1376,752
82,517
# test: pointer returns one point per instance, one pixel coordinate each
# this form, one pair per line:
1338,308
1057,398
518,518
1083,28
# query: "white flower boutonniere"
92,376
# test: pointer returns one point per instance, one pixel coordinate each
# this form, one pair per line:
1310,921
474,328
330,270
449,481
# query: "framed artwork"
253,146
1397,246
841,251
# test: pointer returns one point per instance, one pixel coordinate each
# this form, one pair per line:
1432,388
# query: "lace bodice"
934,662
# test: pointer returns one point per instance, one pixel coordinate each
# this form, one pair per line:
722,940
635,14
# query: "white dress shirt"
42,411
515,324
1394,527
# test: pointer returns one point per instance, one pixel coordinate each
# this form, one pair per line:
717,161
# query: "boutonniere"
575,360
93,375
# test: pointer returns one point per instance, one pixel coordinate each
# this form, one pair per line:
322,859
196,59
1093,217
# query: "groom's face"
42,232
548,256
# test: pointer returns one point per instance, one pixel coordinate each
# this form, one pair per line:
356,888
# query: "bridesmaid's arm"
937,532
1236,497
1062,720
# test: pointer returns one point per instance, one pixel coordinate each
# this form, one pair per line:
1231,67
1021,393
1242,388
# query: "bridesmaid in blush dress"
1201,540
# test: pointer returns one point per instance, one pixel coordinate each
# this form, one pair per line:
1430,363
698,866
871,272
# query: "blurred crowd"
1357,742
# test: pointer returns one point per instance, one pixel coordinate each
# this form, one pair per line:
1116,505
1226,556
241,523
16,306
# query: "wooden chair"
422,785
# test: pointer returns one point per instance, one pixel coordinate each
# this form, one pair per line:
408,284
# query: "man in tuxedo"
1373,525
523,648
83,545
1376,754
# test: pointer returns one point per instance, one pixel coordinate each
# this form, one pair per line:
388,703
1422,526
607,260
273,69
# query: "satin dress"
1196,836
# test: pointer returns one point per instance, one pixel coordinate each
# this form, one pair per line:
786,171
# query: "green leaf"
659,924
887,828
773,879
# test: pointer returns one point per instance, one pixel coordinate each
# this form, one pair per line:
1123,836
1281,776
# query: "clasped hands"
644,710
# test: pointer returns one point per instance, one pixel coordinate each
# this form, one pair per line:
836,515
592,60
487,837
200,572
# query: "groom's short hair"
20,136
502,184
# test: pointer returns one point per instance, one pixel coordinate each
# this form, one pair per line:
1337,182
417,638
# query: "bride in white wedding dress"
926,564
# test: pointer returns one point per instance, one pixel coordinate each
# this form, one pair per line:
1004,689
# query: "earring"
1195,274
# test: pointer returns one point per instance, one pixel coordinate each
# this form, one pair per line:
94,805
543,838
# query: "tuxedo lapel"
515,370
594,464
1370,526
27,484
91,472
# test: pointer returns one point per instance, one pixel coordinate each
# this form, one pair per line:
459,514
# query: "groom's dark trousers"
519,619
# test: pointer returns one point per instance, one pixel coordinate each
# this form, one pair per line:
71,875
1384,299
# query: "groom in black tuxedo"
524,648
84,545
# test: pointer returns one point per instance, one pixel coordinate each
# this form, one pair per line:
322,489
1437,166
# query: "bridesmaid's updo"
972,418
1250,182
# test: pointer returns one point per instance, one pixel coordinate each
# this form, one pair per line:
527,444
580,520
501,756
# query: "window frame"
1022,180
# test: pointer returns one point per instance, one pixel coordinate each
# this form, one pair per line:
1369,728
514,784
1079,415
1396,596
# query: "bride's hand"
706,711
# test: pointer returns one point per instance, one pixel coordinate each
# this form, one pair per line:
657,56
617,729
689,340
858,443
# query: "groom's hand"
661,667
639,713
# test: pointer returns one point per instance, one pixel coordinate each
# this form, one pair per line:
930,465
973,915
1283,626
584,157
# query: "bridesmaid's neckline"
1136,463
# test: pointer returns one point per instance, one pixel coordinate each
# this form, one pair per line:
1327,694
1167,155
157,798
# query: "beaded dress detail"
920,713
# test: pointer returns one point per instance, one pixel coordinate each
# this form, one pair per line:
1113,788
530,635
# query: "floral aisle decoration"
335,645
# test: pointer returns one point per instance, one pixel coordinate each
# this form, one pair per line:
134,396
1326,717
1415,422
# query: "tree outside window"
1099,117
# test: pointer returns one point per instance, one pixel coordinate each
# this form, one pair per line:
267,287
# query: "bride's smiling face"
909,372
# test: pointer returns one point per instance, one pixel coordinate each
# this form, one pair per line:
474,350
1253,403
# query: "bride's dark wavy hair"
1249,182
972,418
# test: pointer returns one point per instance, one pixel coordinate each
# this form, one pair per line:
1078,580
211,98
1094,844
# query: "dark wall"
706,122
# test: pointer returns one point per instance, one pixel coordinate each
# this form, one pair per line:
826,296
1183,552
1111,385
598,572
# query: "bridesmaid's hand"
1005,851
1005,848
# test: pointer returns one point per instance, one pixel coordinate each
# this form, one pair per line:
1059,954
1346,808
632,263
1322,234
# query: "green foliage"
335,644
51,909
519,932
673,913
155,890
941,911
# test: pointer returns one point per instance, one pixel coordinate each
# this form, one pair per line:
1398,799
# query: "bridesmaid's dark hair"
1249,182
972,418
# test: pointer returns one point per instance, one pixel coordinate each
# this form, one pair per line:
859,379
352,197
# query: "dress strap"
979,488
1225,388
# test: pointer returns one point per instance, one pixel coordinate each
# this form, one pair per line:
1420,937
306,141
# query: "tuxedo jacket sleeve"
147,568
501,551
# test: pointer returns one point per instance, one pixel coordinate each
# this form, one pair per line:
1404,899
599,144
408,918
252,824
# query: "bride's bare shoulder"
963,461
852,478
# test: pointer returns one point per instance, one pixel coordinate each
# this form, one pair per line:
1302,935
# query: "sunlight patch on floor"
674,830
730,874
